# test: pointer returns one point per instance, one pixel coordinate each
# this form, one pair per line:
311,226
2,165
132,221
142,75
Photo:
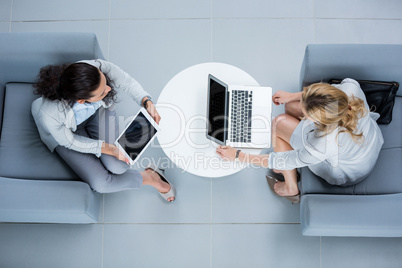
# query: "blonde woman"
326,127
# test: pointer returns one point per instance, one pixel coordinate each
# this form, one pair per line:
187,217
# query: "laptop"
239,116
137,136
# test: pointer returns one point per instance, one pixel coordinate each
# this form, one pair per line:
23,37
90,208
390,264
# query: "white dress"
337,159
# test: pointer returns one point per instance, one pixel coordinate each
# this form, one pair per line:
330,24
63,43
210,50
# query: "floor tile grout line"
206,18
11,15
190,223
211,25
103,229
109,30
320,252
107,19
103,209
146,223
211,223
314,23
211,201
103,245
210,252
211,183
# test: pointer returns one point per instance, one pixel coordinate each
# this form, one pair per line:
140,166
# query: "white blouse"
336,158
56,120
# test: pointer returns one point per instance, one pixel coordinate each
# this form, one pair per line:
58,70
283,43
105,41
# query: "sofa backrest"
323,62
22,55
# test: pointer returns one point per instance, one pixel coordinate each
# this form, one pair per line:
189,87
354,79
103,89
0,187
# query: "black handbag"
380,97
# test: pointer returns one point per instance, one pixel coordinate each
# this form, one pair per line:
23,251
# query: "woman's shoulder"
55,108
349,86
95,62
99,63
352,88
350,81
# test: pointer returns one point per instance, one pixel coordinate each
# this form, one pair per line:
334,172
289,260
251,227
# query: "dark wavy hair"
70,82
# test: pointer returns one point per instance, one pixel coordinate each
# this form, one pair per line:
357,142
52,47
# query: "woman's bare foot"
282,189
150,177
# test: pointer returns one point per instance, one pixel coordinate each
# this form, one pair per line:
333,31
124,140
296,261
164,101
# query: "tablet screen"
137,136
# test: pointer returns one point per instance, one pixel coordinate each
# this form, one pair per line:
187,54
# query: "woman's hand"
226,152
111,149
282,97
153,112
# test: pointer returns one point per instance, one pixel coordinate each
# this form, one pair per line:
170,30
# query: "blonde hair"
330,108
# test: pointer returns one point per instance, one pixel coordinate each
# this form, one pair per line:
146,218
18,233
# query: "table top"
183,109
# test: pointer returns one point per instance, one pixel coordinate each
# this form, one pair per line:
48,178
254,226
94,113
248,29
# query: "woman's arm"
149,106
229,153
111,149
119,79
63,136
276,160
281,97
86,145
51,124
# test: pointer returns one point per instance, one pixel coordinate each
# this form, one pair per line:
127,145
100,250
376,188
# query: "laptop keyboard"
241,116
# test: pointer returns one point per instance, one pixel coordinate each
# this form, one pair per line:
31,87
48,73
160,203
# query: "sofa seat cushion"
312,184
22,153
386,176
384,179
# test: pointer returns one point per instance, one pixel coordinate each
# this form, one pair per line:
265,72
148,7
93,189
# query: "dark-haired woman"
75,117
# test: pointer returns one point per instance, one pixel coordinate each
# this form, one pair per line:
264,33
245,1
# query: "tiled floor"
223,222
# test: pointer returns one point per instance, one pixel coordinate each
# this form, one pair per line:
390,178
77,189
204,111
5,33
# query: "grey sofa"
36,185
373,207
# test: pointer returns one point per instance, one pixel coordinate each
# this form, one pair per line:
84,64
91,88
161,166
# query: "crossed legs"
282,129
107,174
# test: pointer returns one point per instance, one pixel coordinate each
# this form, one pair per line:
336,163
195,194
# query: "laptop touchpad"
262,98
261,118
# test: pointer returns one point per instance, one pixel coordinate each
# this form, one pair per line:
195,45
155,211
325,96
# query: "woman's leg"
283,127
152,178
293,109
90,169
104,126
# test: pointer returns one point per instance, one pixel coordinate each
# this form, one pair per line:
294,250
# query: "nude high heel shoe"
172,191
271,179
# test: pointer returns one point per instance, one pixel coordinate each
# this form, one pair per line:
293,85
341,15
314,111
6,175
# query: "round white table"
182,106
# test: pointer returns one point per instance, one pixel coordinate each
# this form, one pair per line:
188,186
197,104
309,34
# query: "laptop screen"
217,119
137,136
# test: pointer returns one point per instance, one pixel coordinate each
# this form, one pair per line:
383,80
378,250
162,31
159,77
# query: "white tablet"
137,136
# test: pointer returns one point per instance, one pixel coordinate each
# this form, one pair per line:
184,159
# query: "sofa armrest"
47,201
351,215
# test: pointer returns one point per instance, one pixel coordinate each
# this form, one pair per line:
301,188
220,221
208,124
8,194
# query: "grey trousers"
106,174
